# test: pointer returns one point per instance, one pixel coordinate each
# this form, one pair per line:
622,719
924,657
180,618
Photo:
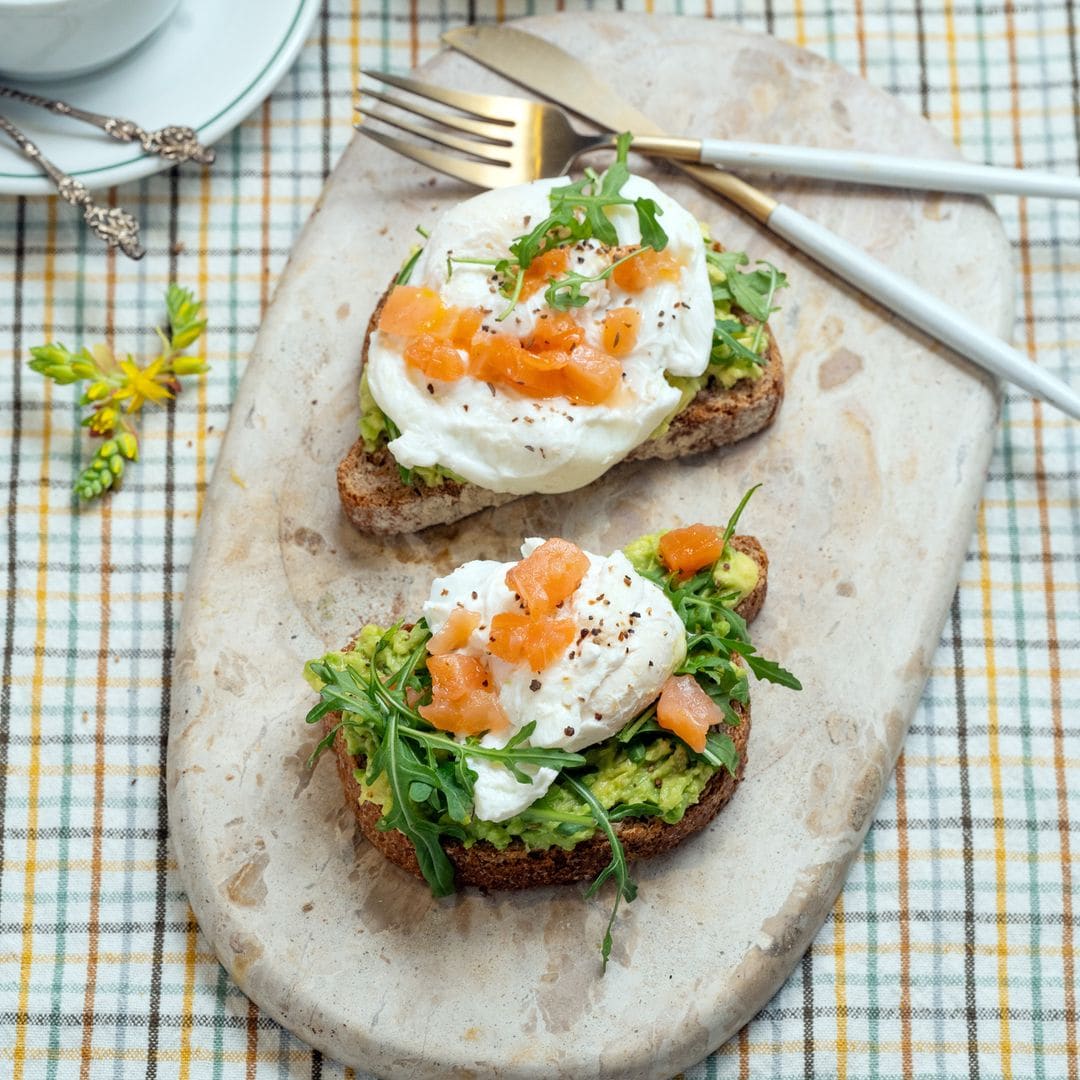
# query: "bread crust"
375,500
514,867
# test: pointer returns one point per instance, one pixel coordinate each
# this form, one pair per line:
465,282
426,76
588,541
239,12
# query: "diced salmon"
467,322
475,714
540,642
591,377
455,676
551,264
549,360
463,699
455,633
436,359
548,576
687,711
621,330
646,269
557,330
410,309
685,551
500,359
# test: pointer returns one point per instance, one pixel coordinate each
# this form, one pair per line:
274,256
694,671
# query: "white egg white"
507,442
630,640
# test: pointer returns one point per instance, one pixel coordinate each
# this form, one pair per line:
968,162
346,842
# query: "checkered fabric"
952,951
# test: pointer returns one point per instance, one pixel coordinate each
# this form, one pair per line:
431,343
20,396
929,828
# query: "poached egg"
505,441
630,640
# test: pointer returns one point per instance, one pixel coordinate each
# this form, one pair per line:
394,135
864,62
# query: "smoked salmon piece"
556,330
542,269
455,633
466,325
646,269
540,642
555,363
548,576
687,711
463,698
621,330
409,310
591,377
504,361
435,358
685,551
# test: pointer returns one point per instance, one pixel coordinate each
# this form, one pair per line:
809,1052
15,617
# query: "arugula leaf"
565,292
396,760
723,333
729,530
423,789
625,888
578,212
766,670
720,751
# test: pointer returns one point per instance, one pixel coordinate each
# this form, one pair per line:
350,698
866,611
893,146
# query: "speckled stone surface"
872,475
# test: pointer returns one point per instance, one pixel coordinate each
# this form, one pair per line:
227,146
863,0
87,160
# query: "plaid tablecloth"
952,951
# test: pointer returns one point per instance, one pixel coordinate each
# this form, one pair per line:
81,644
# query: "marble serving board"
871,475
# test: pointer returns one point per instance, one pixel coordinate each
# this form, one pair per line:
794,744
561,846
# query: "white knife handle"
921,309
888,170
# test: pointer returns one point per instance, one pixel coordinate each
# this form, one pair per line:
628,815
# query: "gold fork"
519,140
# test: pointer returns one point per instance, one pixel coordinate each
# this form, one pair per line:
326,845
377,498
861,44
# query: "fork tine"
489,130
443,138
479,105
472,172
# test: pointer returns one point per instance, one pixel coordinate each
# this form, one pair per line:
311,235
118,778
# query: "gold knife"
547,70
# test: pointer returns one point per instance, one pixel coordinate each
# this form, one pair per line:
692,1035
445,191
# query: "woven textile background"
952,950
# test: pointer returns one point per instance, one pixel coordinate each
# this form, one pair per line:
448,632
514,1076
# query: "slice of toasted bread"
514,867
375,499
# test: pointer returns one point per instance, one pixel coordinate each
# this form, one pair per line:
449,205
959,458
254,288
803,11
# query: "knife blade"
546,69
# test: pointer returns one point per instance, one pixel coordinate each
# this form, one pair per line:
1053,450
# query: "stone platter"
872,476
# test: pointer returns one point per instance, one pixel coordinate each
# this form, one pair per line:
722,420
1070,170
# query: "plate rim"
271,70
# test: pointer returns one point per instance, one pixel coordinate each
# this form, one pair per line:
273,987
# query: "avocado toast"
479,384
542,803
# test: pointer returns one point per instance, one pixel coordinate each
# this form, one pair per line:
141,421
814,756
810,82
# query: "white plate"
207,67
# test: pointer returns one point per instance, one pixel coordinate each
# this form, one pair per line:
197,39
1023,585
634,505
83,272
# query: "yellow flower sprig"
118,388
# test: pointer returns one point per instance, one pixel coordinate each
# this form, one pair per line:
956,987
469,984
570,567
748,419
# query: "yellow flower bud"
189,365
108,449
97,391
128,446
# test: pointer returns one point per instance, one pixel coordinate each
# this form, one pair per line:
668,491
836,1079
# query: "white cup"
57,39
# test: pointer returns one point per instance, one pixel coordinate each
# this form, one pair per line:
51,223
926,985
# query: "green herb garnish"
752,291
118,388
578,212
625,888
428,773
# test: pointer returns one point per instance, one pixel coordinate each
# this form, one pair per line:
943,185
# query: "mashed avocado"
726,367
734,572
658,773
375,431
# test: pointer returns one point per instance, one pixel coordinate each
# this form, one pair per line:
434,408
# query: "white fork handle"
921,309
888,170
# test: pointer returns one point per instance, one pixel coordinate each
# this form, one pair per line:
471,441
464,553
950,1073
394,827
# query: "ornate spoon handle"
174,143
115,226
